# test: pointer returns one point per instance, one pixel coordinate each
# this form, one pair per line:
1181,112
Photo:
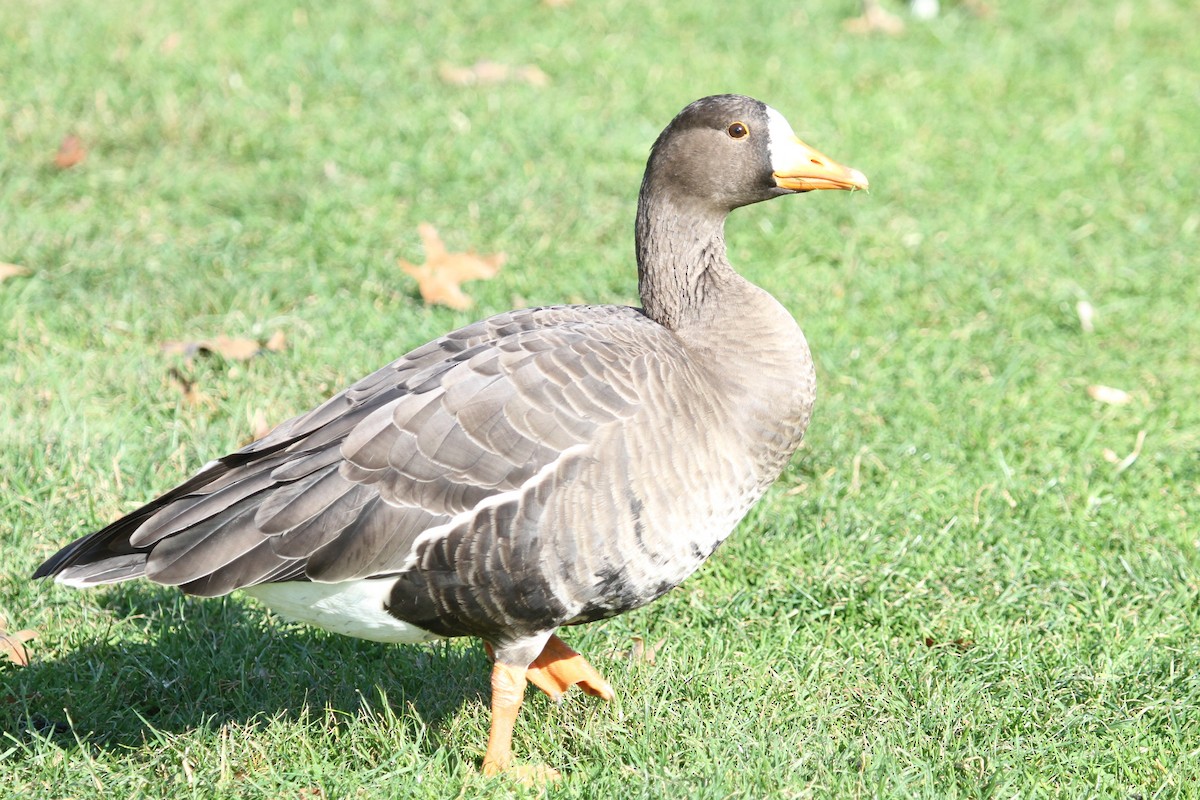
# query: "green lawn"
955,590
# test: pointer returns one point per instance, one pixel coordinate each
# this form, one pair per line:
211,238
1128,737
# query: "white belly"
353,608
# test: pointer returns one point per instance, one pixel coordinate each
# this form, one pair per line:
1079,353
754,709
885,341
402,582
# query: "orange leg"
556,670
508,690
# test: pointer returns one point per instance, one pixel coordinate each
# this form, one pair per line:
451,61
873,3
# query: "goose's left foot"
559,668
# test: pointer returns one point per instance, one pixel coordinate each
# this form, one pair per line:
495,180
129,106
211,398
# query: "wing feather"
367,446
319,529
294,504
370,545
206,546
196,508
346,490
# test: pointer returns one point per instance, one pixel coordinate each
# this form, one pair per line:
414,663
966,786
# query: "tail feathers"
91,554
108,556
110,570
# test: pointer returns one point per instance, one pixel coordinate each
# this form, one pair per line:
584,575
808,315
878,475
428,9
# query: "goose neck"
682,262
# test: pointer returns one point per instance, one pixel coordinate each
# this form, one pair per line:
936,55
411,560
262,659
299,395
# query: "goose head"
718,154
727,151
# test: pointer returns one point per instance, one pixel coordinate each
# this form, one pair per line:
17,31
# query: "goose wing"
343,491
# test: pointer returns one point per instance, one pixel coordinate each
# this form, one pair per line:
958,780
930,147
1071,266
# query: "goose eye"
737,130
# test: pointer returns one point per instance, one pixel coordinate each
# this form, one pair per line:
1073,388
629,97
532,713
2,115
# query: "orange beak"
802,169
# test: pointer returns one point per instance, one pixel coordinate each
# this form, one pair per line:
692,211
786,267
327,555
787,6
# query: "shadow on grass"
179,664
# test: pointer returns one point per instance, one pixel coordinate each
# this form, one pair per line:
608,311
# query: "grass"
952,592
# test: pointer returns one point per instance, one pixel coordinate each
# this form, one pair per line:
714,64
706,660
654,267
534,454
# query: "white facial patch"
781,140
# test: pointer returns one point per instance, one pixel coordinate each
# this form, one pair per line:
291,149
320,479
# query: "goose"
542,468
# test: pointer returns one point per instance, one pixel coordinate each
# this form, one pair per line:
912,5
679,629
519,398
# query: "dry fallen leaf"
70,152
11,271
1125,463
169,44
192,395
491,72
647,654
439,277
12,646
234,349
874,19
225,346
638,652
1108,394
259,426
961,645
978,8
277,343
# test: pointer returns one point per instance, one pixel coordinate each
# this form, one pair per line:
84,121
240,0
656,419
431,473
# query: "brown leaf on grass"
961,645
11,271
277,343
875,19
231,348
12,646
439,278
1125,463
978,8
259,426
1108,394
170,43
187,387
487,73
639,653
228,347
70,152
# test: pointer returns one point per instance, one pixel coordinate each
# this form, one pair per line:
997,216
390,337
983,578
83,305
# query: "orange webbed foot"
559,668
525,774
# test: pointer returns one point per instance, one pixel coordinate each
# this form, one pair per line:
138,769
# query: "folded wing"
344,491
